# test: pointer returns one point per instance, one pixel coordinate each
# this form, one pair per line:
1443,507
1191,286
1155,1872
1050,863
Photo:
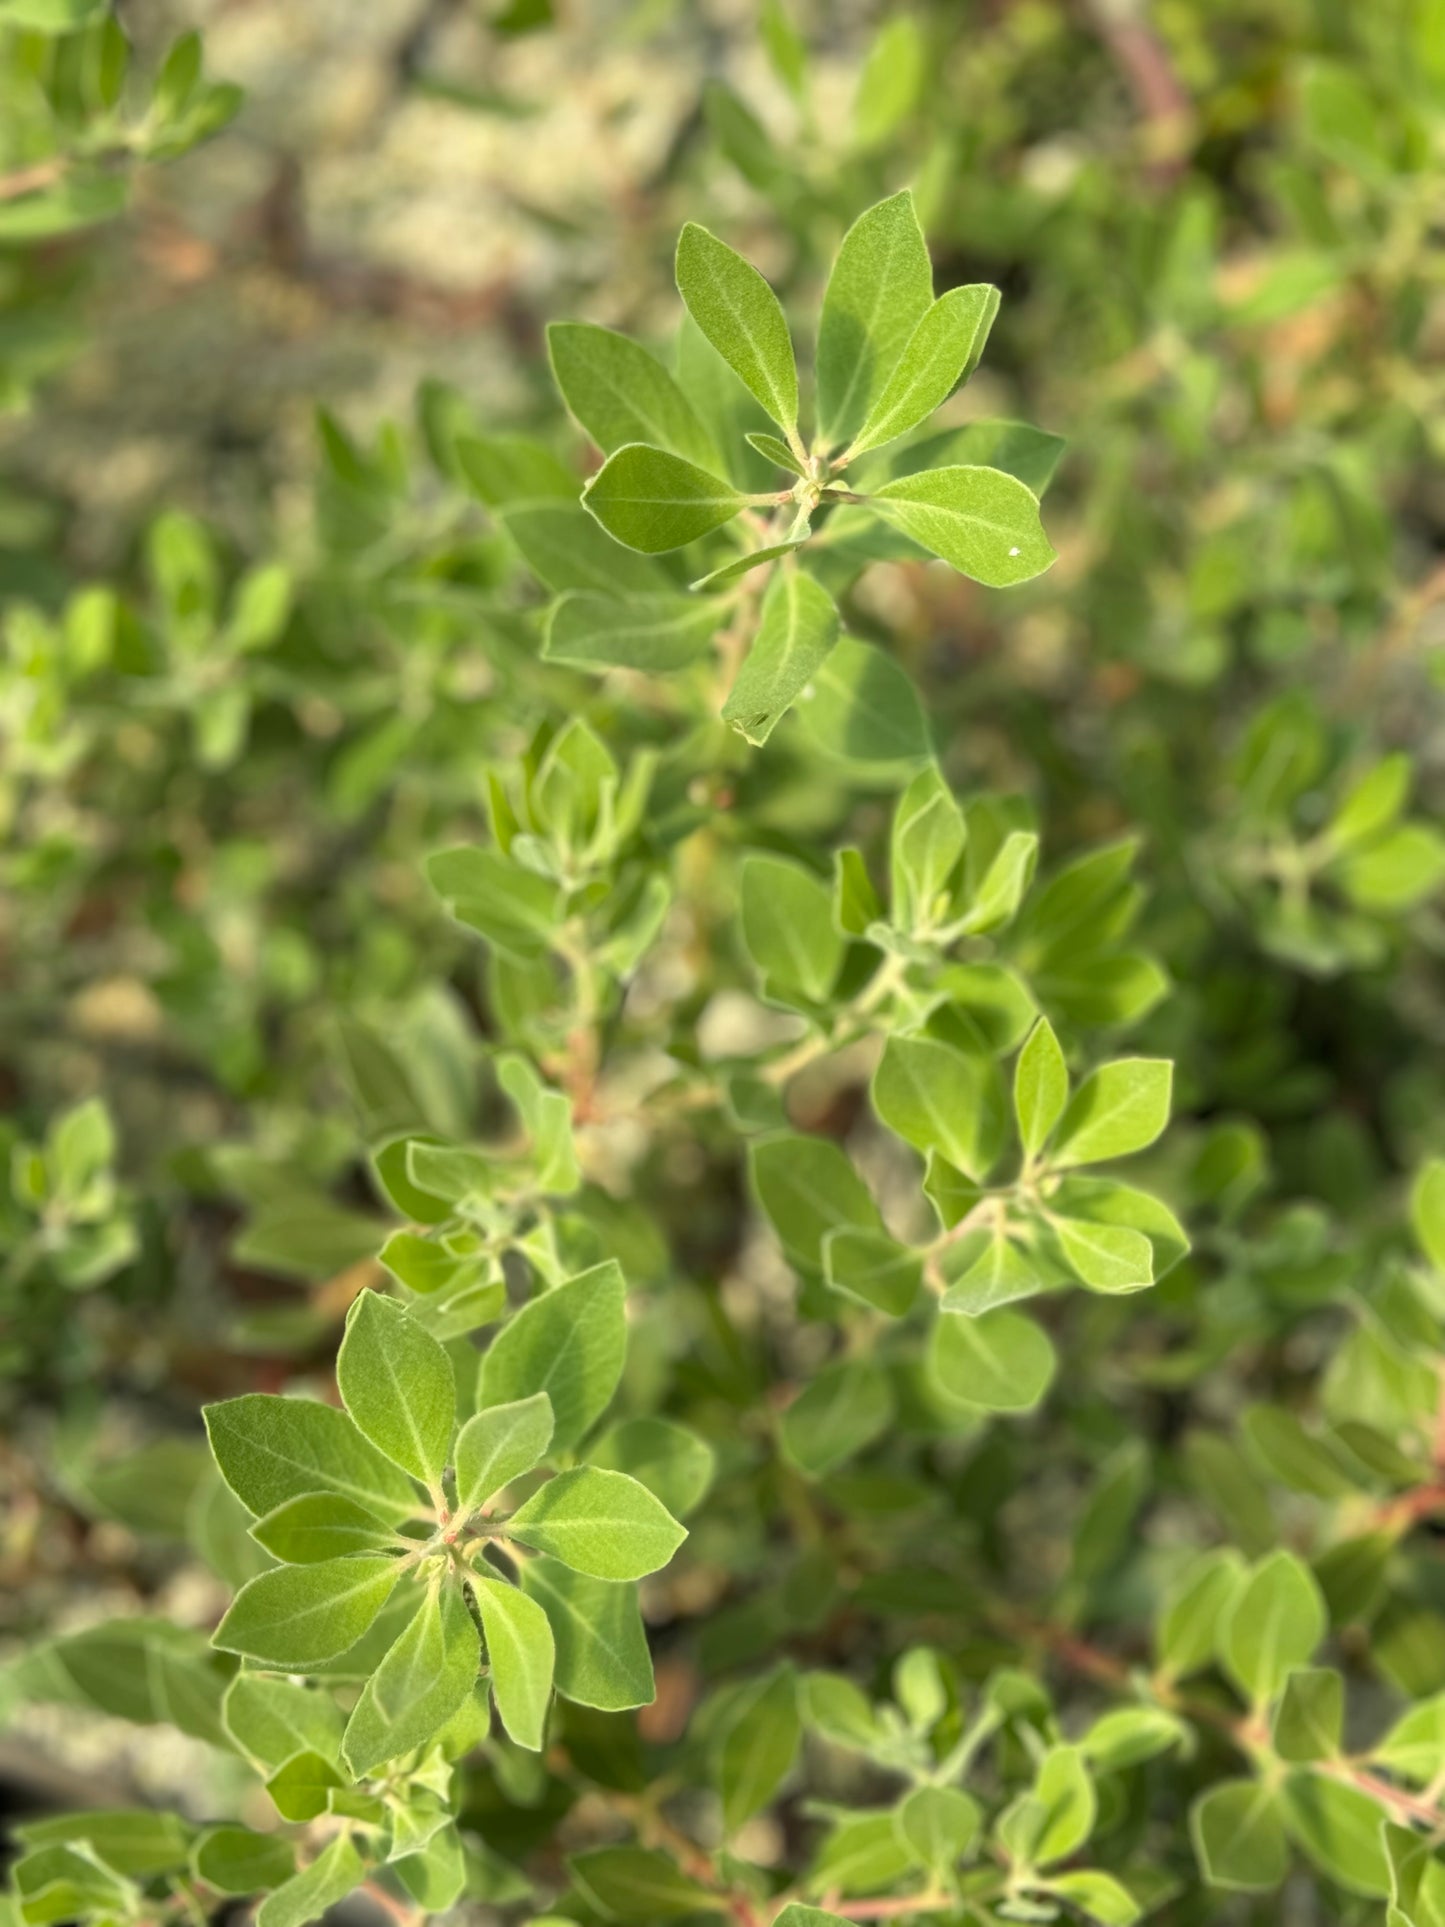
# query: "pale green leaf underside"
982,522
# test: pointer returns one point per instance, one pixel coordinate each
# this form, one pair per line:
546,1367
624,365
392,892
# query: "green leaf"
1066,1794
52,16
1025,452
740,135
1338,1827
1041,1087
145,1670
301,1787
928,838
513,908
1293,1456
427,1267
273,1449
602,1656
1188,1630
1001,1361
788,57
436,1876
863,708
673,1463
618,393
77,200
1401,870
1107,1257
807,1188
597,1522
398,1386
1427,1211
744,564
1414,1747
1373,803
938,1825
759,1747
306,1237
941,1099
891,82
996,1272
1098,1895
653,633
995,902
338,1870
521,1658
1107,1518
271,1720
234,1860
872,1268
296,1615
788,927
568,549
1131,1734
979,520
862,1854
546,1113
65,1883
634,1883
880,288
740,315
797,630
418,1686
503,469
943,349
1277,1621
652,501
844,1408
317,1526
499,1445
1310,1717
569,1343
1118,1109
1104,1201
840,1711
135,1841
856,900
777,452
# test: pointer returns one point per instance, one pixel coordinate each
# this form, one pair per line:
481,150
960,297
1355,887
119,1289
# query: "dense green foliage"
725,1147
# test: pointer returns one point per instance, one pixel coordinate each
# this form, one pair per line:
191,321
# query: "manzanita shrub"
775,1422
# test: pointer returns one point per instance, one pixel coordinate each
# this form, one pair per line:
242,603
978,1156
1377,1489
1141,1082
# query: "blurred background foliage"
262,638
